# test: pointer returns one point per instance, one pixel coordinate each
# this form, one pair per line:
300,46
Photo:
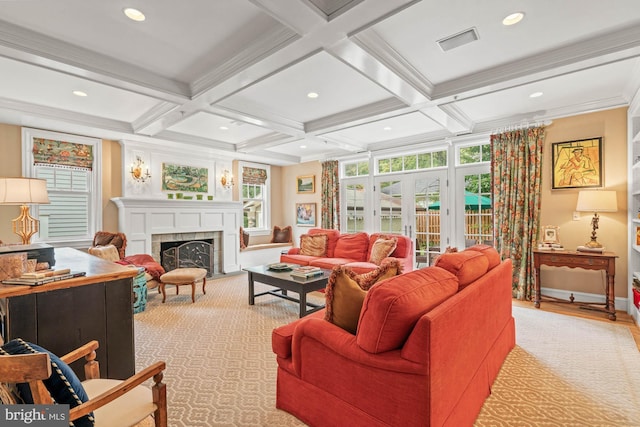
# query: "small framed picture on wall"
306,214
306,184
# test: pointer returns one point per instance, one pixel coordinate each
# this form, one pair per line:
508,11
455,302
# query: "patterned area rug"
221,370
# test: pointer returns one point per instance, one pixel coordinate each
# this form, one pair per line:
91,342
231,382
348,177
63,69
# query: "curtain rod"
522,125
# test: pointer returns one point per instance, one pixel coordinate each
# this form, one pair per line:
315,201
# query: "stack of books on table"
42,277
306,272
588,249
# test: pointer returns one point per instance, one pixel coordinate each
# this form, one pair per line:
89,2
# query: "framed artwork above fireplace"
184,178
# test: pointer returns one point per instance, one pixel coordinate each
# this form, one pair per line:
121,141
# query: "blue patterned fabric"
63,384
139,292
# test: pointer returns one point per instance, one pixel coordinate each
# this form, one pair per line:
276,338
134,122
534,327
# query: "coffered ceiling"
233,76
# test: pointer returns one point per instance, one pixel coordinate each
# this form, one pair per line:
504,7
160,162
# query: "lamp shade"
23,191
597,201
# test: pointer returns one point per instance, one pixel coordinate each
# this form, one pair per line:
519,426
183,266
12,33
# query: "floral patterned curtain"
516,168
330,195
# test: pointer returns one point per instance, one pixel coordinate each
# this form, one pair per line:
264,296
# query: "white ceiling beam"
37,49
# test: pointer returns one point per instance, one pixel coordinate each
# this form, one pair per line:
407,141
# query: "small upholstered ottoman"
183,276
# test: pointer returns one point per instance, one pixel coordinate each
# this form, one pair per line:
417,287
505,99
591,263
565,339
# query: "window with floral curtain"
330,195
516,169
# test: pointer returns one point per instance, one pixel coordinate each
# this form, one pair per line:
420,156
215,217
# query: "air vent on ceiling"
457,40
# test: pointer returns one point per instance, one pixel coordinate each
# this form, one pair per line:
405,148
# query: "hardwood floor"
574,310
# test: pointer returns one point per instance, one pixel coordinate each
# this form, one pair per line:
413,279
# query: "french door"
473,206
415,205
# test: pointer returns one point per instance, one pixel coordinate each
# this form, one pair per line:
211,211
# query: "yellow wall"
111,183
558,205
10,165
291,196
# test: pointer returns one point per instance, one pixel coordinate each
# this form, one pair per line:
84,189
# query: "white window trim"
266,230
28,170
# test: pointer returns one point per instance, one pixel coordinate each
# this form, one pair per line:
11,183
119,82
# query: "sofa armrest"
282,336
315,339
293,251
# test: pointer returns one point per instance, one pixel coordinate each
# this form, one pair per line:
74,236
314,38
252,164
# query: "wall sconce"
226,179
23,192
136,171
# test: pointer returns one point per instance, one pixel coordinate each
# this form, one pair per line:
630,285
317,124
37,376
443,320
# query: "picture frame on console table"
577,164
306,214
550,234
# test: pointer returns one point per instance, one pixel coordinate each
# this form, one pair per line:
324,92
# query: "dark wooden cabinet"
63,318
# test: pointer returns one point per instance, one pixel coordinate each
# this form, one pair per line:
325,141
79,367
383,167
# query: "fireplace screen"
191,254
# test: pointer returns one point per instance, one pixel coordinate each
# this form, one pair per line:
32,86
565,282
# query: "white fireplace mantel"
140,218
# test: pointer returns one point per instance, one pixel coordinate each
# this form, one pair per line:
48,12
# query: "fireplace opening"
188,254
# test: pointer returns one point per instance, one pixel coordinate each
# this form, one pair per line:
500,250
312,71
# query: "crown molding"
65,116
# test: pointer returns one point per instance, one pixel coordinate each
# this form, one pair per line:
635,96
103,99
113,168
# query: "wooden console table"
587,260
61,316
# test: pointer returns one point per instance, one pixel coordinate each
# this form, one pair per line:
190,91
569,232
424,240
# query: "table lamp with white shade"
24,192
596,201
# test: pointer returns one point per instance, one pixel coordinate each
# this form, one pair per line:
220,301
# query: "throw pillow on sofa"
382,248
313,245
346,290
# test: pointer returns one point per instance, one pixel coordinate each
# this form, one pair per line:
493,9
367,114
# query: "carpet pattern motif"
221,370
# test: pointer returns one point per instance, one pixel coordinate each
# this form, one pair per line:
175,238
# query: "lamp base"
593,243
25,225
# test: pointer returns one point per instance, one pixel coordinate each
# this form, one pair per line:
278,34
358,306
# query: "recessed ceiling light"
224,128
134,14
512,19
535,95
303,146
386,128
79,93
312,95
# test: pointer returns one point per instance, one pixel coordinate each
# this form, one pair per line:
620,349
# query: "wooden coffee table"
284,282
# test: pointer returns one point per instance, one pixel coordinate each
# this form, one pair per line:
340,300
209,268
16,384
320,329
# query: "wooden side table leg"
536,288
611,297
204,282
193,291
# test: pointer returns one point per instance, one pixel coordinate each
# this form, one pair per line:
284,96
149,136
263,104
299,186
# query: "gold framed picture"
550,234
306,184
577,164
306,214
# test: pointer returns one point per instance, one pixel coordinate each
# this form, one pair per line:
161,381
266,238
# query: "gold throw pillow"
313,245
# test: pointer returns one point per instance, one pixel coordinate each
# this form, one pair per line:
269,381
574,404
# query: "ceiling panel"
388,129
339,88
30,84
219,128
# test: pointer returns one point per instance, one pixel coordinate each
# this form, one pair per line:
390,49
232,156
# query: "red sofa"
352,250
428,346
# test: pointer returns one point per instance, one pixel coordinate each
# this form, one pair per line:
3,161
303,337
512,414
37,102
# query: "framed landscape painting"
306,214
577,164
185,178
306,184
